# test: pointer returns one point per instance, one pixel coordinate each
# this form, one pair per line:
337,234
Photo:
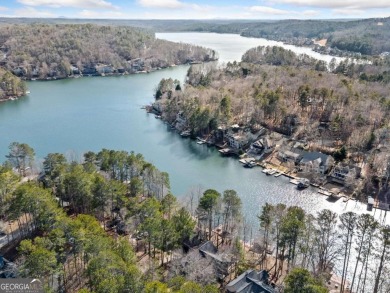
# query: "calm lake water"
76,115
231,46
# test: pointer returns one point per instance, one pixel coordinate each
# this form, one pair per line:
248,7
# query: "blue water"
76,115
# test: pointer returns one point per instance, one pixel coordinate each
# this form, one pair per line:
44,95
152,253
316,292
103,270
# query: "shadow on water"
195,151
332,199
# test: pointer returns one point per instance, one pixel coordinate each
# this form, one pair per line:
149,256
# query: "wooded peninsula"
45,52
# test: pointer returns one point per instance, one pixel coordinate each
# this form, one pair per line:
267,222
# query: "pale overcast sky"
196,9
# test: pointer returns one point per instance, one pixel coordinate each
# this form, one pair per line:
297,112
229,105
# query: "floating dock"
294,181
228,152
185,133
324,192
278,174
271,172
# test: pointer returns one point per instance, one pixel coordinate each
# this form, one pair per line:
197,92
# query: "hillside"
10,85
295,96
56,51
364,36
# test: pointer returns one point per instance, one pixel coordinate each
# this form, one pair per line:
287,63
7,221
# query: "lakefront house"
343,173
263,145
315,162
251,281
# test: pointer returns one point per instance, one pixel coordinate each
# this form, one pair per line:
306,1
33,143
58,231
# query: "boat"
185,133
200,140
266,171
335,195
157,117
250,164
370,203
278,174
303,183
324,192
228,152
271,172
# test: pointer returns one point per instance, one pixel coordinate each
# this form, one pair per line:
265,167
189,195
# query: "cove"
76,115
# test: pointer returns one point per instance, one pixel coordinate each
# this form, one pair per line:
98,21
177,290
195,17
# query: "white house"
342,173
237,140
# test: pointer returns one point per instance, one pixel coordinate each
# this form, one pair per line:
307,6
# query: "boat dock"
228,152
324,192
278,174
200,140
271,172
246,160
294,181
185,133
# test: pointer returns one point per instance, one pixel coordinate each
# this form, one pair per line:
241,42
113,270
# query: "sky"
196,9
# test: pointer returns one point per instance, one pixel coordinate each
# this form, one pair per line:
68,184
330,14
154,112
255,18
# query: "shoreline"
109,74
314,46
13,98
99,74
48,79
265,163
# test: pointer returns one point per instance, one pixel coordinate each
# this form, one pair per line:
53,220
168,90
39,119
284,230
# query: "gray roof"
312,156
209,249
292,154
345,168
250,282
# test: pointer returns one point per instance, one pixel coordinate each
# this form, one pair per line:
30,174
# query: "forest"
41,51
60,48
10,85
110,224
74,220
355,246
272,85
364,36
51,51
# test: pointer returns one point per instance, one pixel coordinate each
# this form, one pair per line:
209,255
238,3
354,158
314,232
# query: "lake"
76,115
232,46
